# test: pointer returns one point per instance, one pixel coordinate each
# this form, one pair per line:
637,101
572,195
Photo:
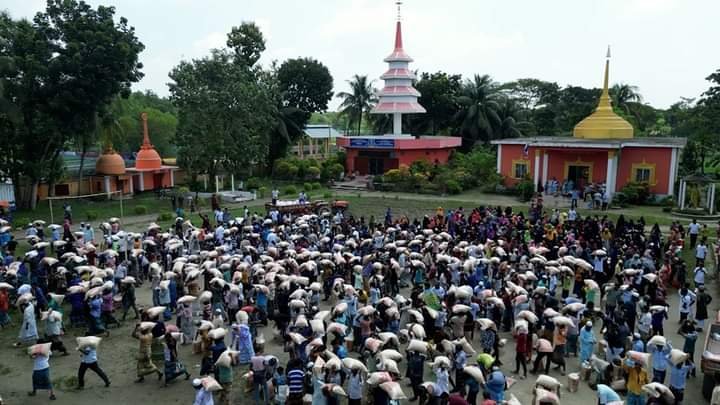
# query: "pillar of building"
397,124
681,196
545,168
232,182
536,169
172,178
498,161
132,191
611,174
142,181
673,172
107,185
217,184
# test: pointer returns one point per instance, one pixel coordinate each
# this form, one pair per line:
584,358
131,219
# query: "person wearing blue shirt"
496,384
678,377
659,361
88,360
607,395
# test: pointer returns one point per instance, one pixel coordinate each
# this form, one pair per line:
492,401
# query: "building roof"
613,143
321,131
147,157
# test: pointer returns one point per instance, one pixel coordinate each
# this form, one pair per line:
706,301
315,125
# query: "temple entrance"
579,174
376,166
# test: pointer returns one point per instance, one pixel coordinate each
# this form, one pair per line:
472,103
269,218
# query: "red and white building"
376,154
602,150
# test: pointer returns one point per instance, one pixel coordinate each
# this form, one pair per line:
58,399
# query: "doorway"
579,174
376,166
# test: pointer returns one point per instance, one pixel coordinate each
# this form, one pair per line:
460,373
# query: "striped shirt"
296,381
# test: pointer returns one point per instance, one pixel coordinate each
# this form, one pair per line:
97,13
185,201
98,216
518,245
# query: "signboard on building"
372,143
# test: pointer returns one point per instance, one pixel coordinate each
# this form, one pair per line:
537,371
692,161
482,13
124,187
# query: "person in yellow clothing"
636,378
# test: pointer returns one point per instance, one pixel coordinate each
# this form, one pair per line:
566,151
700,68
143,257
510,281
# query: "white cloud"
215,39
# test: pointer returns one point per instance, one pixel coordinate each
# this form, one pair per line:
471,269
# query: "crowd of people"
358,306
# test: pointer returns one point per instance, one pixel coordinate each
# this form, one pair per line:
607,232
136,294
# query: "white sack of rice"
476,373
418,346
393,390
88,341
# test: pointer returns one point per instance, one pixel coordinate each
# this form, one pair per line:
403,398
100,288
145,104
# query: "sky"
664,47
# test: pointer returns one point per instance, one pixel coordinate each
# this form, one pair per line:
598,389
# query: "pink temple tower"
398,97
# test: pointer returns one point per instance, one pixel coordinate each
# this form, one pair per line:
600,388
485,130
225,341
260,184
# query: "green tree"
302,87
574,104
538,100
622,95
305,84
358,101
247,42
225,114
438,94
478,116
67,66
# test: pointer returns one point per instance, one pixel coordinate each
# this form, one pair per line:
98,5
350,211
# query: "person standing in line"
693,231
701,251
701,309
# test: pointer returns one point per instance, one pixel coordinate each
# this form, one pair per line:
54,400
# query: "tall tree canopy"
64,69
438,94
226,106
305,84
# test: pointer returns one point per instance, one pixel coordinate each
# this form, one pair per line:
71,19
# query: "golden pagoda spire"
603,122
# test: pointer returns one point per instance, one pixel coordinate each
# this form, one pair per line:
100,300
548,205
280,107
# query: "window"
520,169
642,175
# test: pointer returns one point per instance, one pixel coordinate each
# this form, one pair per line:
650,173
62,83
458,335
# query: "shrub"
140,210
316,186
183,190
253,183
307,187
290,190
453,187
635,193
327,195
285,170
91,215
165,216
262,192
335,170
312,172
525,189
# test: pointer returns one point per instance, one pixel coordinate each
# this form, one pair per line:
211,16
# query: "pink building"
377,154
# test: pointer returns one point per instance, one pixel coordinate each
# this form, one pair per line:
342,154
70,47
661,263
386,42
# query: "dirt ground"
117,357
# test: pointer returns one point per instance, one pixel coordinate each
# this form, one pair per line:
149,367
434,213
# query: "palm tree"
511,119
478,117
624,94
359,101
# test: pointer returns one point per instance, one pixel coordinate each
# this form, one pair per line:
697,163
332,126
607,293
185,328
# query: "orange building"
602,150
149,172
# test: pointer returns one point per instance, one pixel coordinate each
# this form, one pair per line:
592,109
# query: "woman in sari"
145,364
185,321
242,338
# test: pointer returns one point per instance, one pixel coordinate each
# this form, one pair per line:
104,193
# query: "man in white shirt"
694,231
701,253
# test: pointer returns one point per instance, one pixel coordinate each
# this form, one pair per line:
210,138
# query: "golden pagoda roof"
603,123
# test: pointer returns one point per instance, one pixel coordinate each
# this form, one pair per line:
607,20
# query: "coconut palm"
359,100
479,102
512,119
623,94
